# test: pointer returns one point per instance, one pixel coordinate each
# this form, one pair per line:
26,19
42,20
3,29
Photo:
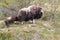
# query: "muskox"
10,20
30,13
25,14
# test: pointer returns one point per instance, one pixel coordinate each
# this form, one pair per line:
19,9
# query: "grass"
27,31
42,30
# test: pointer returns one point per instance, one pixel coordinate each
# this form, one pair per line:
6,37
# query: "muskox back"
22,14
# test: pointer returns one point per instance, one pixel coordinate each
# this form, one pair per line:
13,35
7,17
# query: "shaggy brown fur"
25,14
30,13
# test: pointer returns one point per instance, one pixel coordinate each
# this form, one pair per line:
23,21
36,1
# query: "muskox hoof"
32,21
22,22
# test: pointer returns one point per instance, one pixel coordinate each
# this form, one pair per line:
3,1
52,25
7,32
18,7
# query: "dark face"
35,13
38,13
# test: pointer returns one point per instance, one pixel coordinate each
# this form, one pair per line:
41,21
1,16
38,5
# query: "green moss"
6,36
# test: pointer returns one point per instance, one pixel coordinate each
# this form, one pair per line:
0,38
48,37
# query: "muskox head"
36,10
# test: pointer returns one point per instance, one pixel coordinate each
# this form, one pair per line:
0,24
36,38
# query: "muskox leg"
33,21
32,18
7,23
22,22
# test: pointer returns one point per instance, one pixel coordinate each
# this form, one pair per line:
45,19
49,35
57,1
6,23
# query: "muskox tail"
39,15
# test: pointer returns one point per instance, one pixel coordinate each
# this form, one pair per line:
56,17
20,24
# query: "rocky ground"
42,30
